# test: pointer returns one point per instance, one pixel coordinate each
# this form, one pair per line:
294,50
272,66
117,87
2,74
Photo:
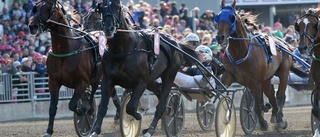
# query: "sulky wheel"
248,117
225,118
205,115
129,126
314,123
173,117
84,123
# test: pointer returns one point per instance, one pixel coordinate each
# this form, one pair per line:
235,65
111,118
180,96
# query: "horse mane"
72,14
250,20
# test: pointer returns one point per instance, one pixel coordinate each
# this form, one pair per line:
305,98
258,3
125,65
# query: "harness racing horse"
73,62
248,63
308,26
131,63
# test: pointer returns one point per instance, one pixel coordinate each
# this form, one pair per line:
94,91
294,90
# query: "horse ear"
98,7
234,4
222,3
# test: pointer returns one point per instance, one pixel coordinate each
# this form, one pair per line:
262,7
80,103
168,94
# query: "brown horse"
248,63
308,26
73,62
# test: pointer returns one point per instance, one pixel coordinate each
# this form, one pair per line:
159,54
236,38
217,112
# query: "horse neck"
60,44
122,39
316,49
239,48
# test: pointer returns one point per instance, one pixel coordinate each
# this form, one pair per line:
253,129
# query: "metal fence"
36,89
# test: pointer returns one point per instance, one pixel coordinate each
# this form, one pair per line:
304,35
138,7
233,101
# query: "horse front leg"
227,79
268,90
116,102
73,104
54,88
106,91
257,93
132,105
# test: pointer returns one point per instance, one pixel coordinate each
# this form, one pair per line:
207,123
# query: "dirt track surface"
298,119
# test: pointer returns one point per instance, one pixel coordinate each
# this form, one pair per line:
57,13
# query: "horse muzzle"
220,38
34,29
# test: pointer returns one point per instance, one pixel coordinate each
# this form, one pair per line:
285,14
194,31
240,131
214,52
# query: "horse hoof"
273,120
46,135
116,122
148,132
267,107
264,126
134,114
90,111
94,134
282,125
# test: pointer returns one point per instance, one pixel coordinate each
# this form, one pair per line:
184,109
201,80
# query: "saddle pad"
272,46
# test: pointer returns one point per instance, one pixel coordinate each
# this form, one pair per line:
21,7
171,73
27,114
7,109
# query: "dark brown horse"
131,63
308,26
73,62
248,63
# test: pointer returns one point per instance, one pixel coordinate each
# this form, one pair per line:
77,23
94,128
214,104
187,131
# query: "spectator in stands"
26,64
8,68
79,6
22,78
163,6
174,9
5,14
278,30
41,68
183,11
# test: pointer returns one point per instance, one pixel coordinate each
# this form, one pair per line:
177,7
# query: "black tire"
174,116
248,117
84,124
129,126
314,123
225,123
205,115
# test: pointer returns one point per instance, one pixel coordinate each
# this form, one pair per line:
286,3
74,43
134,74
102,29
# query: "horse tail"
188,61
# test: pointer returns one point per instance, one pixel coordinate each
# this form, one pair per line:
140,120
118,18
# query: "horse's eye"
34,9
232,18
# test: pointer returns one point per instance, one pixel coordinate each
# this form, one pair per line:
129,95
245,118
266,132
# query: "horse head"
42,11
308,26
92,21
112,15
227,21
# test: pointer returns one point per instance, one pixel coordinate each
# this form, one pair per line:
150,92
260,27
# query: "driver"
192,76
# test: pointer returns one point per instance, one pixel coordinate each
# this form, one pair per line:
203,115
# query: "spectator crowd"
22,52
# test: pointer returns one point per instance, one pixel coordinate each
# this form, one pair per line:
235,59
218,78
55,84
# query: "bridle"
43,20
108,12
310,37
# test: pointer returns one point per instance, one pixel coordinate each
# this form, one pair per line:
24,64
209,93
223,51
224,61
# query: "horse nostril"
220,38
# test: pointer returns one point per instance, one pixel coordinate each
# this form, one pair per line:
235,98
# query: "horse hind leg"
268,90
167,81
54,96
